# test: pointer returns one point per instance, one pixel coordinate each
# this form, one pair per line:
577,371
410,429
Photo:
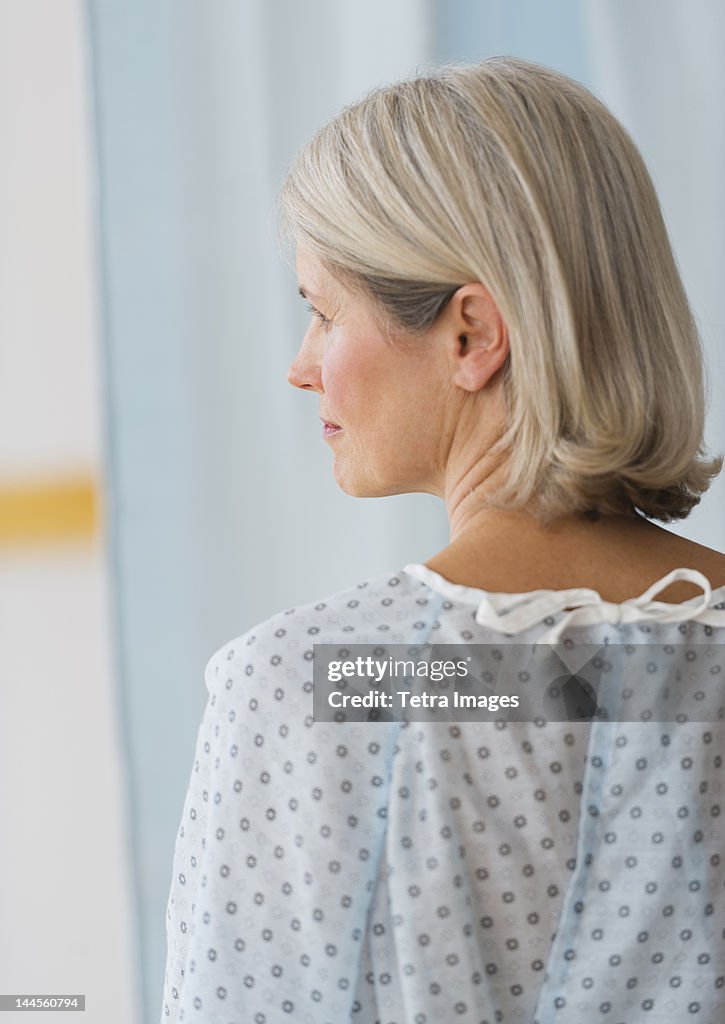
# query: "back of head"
509,173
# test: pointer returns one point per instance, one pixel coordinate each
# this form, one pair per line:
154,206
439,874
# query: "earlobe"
476,364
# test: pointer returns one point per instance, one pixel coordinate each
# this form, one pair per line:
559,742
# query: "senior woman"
497,319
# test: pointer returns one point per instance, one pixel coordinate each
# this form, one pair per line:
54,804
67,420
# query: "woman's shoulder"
390,607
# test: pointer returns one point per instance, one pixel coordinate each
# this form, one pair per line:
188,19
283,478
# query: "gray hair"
509,173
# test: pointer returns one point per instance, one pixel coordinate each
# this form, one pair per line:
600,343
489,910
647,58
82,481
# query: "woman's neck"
619,556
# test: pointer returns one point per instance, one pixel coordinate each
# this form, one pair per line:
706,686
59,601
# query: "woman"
497,319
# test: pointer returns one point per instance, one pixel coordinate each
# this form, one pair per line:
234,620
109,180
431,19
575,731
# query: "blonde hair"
509,173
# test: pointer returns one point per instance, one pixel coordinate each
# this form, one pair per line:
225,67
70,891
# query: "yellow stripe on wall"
48,511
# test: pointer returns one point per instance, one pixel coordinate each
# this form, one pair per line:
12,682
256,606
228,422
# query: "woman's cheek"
333,383
343,377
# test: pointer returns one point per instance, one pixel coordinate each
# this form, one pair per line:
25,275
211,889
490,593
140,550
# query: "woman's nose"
298,378
304,372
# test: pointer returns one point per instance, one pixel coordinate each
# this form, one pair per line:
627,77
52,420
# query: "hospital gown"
407,872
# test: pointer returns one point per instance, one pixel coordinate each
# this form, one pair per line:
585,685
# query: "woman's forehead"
314,279
311,274
306,262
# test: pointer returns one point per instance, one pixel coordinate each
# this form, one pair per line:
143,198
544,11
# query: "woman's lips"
328,429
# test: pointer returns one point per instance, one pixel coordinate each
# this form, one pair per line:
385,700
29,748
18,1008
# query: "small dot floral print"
489,872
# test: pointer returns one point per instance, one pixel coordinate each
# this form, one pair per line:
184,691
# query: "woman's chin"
369,490
359,487
355,490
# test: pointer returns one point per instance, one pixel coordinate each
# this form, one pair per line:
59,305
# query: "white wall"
66,898
48,373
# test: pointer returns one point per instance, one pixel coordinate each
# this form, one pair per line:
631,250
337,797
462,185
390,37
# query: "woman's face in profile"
389,401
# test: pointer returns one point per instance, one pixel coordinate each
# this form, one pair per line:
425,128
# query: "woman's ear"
477,337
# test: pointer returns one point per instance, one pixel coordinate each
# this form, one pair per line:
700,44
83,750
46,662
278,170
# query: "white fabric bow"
510,614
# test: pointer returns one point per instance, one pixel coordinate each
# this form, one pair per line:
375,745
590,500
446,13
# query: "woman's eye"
327,324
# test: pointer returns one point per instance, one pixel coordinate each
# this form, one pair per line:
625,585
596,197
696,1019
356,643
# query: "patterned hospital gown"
494,872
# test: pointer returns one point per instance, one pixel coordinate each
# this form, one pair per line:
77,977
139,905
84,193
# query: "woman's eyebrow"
305,294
